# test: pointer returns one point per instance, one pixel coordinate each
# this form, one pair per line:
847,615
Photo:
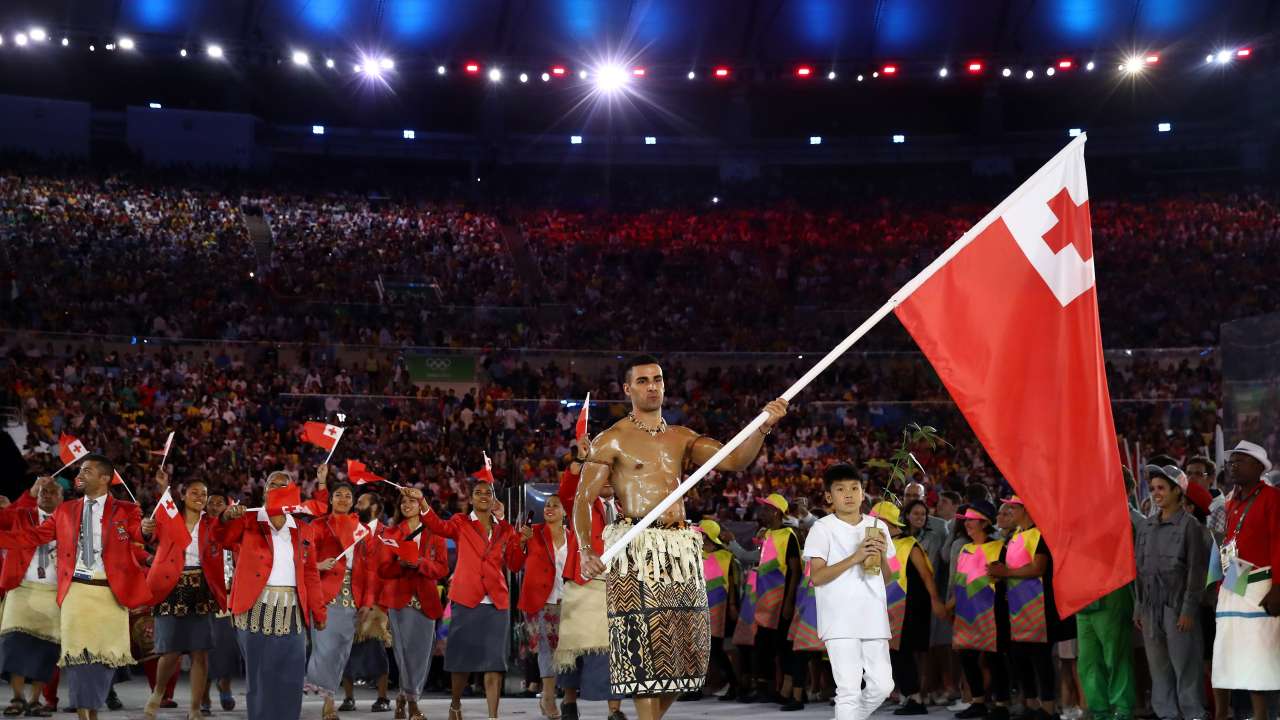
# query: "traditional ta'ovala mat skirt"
1246,651
659,624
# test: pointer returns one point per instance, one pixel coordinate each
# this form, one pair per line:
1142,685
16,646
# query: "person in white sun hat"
1246,651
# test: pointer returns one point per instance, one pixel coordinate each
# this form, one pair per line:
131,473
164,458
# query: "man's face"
845,496
946,508
93,478
216,506
645,387
913,491
364,503
1198,473
769,516
1243,469
277,480
482,497
50,497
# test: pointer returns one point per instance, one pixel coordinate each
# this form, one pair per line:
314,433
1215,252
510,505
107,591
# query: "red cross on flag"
169,521
70,449
1008,316
322,434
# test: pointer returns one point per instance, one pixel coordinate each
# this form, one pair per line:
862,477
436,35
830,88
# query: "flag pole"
64,467
897,299
333,449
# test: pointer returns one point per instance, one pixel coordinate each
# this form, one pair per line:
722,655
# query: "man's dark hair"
635,362
838,473
973,492
1210,468
951,495
101,461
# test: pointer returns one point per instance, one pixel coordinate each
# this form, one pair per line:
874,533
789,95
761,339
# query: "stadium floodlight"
583,74
1133,65
859,78
317,129
65,42
721,73
546,77
1073,132
942,72
524,77
126,43
495,75
575,139
804,71
182,52
410,135
1050,71
691,75
1224,57
611,78
1089,66
472,68
899,139
831,75
1244,52
650,140
815,139
357,68
154,105
300,58
1029,74
20,39
1164,127
1208,59
329,63
1006,72
214,51
639,71
386,63
441,70
715,199
975,67
38,34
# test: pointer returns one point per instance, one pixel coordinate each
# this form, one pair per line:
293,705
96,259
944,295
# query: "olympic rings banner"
441,368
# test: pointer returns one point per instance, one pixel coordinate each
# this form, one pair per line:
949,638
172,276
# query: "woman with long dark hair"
188,588
410,572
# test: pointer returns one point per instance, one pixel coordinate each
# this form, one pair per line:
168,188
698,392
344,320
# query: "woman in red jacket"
409,592
347,590
548,550
187,587
479,629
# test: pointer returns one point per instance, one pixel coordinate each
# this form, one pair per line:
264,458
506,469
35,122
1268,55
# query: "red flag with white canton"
168,514
486,473
322,434
580,429
70,449
1008,316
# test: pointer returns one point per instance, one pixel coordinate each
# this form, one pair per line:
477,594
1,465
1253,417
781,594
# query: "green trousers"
1105,662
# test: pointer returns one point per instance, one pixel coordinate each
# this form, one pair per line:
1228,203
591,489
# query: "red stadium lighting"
1152,59
1066,64
721,72
1244,52
889,70
804,71
975,67
472,68
559,71
638,72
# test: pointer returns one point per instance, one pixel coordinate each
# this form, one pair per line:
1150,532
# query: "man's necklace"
653,432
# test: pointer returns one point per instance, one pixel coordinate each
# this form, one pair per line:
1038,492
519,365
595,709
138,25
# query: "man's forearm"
743,455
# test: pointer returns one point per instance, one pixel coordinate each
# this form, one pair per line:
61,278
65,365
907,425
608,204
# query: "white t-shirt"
853,606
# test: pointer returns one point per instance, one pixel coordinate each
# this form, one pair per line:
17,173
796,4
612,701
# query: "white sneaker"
958,706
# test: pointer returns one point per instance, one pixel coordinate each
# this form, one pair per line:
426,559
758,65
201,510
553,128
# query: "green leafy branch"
902,464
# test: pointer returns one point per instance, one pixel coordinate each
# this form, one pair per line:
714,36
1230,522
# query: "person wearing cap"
911,597
1246,651
1105,662
1025,569
777,578
853,615
1172,558
971,603
723,575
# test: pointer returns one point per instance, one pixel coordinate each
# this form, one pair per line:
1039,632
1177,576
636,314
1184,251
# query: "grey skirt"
188,633
479,639
28,656
224,659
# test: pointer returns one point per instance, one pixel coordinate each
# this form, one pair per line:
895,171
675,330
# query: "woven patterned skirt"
659,624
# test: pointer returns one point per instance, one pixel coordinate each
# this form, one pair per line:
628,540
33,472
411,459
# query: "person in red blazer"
99,578
368,659
275,593
479,627
412,597
345,585
602,510
548,545
30,629
187,588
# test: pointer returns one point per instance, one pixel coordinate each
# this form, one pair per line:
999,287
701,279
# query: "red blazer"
122,548
254,561
480,570
540,568
22,513
401,585
328,545
567,492
368,555
170,558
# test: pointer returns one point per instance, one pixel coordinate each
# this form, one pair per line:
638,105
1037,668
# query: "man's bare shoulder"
604,445
684,433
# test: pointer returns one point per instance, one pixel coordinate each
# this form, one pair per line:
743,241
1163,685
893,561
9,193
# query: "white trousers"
852,663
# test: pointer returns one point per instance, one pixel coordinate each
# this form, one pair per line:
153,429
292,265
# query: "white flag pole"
821,366
64,467
126,489
167,445
335,446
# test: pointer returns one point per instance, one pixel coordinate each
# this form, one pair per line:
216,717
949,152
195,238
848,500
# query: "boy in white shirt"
853,614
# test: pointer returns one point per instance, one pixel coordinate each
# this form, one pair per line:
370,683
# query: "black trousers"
971,662
772,651
906,673
1033,667
720,660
